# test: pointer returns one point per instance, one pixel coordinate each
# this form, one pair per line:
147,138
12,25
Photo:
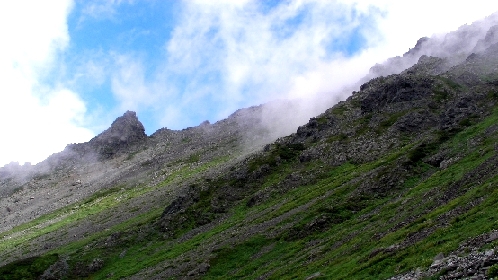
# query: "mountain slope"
399,180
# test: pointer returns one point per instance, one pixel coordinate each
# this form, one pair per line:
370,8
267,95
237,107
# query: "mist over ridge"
283,117
390,176
77,66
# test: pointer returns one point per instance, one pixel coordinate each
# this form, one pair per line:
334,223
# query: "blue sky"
69,68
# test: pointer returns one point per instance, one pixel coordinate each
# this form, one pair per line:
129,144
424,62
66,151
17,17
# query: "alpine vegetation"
397,181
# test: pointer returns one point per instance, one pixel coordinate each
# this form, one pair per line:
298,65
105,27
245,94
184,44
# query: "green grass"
29,268
336,225
234,259
104,200
193,158
358,264
390,120
283,259
279,153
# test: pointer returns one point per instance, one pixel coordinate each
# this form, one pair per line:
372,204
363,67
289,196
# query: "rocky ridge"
124,133
422,105
123,154
399,179
454,46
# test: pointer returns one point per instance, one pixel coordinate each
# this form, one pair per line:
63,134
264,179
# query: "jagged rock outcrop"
124,136
427,104
454,46
469,261
398,179
124,132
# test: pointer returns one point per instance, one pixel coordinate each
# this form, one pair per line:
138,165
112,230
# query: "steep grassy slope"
380,184
376,186
400,180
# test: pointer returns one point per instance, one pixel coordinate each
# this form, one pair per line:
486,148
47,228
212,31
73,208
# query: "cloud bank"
201,60
248,53
225,55
37,116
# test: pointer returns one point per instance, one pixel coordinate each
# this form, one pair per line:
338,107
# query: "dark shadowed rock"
412,155
124,132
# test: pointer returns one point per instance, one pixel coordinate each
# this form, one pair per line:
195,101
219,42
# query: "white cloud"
92,71
101,9
406,21
37,119
131,86
221,56
256,57
237,53
26,24
259,56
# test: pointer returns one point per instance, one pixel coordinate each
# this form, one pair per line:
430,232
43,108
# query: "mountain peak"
125,131
398,181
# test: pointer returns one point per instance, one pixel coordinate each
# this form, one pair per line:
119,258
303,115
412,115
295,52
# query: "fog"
216,57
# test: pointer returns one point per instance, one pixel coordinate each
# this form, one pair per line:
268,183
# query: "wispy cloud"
101,10
244,53
225,55
204,62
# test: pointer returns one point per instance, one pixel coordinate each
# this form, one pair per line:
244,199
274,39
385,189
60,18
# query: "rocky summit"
124,132
398,181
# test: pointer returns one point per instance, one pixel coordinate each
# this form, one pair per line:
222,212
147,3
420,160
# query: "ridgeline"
399,181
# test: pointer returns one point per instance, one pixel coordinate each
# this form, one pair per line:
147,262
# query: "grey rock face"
124,132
